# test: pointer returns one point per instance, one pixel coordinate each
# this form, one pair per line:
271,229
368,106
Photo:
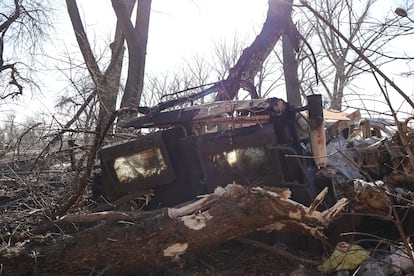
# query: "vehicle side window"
249,161
138,166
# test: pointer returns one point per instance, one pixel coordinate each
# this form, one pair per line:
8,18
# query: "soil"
29,197
233,258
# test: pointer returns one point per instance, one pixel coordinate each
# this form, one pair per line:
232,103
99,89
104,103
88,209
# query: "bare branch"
4,26
83,41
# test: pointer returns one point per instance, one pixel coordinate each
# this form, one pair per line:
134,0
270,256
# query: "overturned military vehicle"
197,148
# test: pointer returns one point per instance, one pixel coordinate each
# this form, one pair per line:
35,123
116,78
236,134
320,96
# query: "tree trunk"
83,42
137,38
290,69
339,84
278,21
103,89
112,77
156,238
107,84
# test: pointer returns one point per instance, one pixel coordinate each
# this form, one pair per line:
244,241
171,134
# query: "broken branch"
154,238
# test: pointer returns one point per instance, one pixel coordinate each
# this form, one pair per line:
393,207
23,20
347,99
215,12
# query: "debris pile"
351,212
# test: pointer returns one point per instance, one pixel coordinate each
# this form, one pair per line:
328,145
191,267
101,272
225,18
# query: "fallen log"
149,239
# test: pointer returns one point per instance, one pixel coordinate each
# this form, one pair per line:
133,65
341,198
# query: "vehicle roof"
205,111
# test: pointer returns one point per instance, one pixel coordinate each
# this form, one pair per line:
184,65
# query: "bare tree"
23,27
194,75
198,72
290,69
339,64
105,83
406,25
136,37
278,22
226,54
73,97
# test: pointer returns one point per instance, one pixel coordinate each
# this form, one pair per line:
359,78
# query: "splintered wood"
159,236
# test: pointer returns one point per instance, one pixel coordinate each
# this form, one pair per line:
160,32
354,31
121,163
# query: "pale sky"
179,29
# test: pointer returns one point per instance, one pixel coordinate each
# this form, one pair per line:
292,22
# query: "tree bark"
107,84
278,21
137,38
83,42
290,44
156,238
290,69
106,87
114,70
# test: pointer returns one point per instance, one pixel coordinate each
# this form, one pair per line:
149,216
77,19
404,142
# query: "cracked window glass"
139,166
248,161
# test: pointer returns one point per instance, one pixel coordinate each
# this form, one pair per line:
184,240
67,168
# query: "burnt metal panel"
212,146
253,144
183,180
210,110
280,170
186,166
109,154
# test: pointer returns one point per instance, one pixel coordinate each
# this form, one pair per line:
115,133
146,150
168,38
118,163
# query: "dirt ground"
234,258
28,198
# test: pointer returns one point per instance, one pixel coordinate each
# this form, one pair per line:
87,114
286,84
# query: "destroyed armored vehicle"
197,148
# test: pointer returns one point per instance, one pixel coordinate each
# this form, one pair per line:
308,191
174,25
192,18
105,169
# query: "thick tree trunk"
290,70
112,75
137,37
107,84
339,84
278,21
156,238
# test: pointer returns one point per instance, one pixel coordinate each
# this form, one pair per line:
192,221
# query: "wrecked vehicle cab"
253,142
